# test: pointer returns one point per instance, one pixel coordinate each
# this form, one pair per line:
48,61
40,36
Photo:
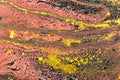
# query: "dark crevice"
11,63
14,69
71,5
0,18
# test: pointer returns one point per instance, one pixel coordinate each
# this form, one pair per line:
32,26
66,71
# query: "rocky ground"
59,40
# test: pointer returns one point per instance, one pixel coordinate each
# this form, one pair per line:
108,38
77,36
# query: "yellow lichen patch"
11,32
10,78
53,61
115,21
108,14
28,47
81,24
113,1
103,25
109,36
99,60
69,68
40,59
14,5
3,1
68,42
54,51
10,51
81,60
23,54
56,63
44,13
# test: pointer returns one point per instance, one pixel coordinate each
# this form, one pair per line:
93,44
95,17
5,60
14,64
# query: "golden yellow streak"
9,51
71,21
115,21
53,50
56,63
11,34
68,42
22,45
23,54
109,36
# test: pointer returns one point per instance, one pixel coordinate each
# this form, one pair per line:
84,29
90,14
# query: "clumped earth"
59,40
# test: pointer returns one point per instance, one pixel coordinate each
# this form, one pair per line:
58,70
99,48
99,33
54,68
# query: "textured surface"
59,40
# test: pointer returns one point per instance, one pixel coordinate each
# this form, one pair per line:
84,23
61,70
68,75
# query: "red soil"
12,16
16,64
78,14
47,38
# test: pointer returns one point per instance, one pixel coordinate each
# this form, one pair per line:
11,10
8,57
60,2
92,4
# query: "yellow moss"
109,36
3,1
9,78
80,60
67,58
81,24
110,21
117,21
76,30
40,59
99,60
56,63
70,20
54,59
108,13
76,59
34,12
23,54
43,13
69,68
84,61
68,42
10,51
102,25
113,1
71,60
28,47
11,32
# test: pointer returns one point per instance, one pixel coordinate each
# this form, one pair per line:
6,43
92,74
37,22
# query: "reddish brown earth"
11,15
25,36
91,16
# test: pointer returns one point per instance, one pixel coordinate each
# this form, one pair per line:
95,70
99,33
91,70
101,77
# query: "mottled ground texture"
59,40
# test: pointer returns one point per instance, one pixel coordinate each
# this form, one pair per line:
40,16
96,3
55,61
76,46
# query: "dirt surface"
59,40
